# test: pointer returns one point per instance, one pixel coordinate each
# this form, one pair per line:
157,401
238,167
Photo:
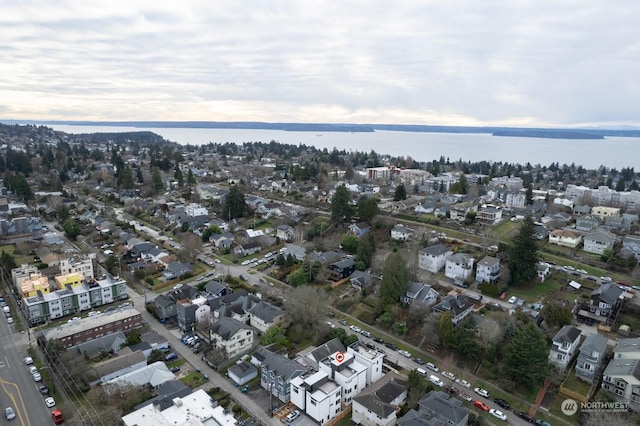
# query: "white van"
421,372
432,367
436,380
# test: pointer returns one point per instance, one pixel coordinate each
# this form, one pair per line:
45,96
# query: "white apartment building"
346,372
86,265
370,358
318,395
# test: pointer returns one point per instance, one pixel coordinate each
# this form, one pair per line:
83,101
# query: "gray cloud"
440,62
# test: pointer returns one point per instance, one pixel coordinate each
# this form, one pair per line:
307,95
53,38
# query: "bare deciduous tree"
490,332
305,309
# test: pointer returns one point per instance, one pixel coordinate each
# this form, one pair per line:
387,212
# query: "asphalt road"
17,387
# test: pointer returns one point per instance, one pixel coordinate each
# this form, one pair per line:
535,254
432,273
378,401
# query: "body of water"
615,152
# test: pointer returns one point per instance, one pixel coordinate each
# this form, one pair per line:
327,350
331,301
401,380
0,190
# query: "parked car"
355,328
9,320
50,402
170,356
481,392
449,375
432,367
464,383
513,300
28,360
391,346
365,333
378,339
293,415
466,397
418,361
404,353
36,377
481,405
498,414
436,380
9,413
502,403
343,321
174,369
525,416
540,422
57,417
44,390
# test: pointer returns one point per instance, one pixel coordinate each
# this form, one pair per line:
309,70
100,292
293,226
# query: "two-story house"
433,258
598,241
591,358
488,270
402,233
622,375
605,301
564,347
264,315
276,372
359,229
459,266
489,215
458,306
231,336
286,233
565,238
378,404
419,293
588,223
342,269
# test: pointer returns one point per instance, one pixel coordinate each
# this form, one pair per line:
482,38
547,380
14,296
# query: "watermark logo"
569,407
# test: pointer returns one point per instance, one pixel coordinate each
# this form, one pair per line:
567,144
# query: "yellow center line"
20,408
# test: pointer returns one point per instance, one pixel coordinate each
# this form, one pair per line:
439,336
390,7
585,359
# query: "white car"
33,369
404,353
436,380
355,328
498,414
9,320
36,377
50,402
481,392
448,375
28,360
9,413
513,300
464,383
330,324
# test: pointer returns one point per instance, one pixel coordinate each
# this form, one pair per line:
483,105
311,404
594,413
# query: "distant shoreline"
544,133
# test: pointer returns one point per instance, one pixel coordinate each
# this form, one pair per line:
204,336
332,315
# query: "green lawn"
572,383
193,379
504,231
536,291
18,258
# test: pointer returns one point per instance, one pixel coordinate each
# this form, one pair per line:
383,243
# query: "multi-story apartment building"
70,300
86,265
318,395
82,330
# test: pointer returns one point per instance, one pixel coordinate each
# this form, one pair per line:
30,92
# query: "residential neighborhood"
318,287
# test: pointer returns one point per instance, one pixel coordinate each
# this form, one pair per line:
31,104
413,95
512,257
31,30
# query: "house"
125,362
622,379
604,212
419,293
631,243
318,395
598,241
437,408
565,238
564,346
359,229
362,280
540,232
371,359
426,208
166,392
488,270
605,300
246,249
459,211
224,240
347,372
581,210
489,215
542,271
216,289
276,372
264,316
591,358
176,269
377,405
458,306
588,223
459,266
298,252
231,336
402,233
242,373
165,307
342,269
285,233
433,258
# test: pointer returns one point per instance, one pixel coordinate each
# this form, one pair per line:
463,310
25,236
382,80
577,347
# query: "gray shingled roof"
567,334
265,311
226,327
594,343
608,293
437,250
449,408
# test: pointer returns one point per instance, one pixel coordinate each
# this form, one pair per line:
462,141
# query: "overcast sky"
449,62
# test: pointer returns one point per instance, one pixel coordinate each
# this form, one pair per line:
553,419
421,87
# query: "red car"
481,405
57,417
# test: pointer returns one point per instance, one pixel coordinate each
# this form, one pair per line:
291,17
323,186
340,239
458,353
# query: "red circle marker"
339,357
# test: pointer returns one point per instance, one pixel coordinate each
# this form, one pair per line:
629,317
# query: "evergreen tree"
367,208
445,330
366,249
234,205
523,255
394,279
157,180
529,194
400,193
126,181
341,208
526,356
191,179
